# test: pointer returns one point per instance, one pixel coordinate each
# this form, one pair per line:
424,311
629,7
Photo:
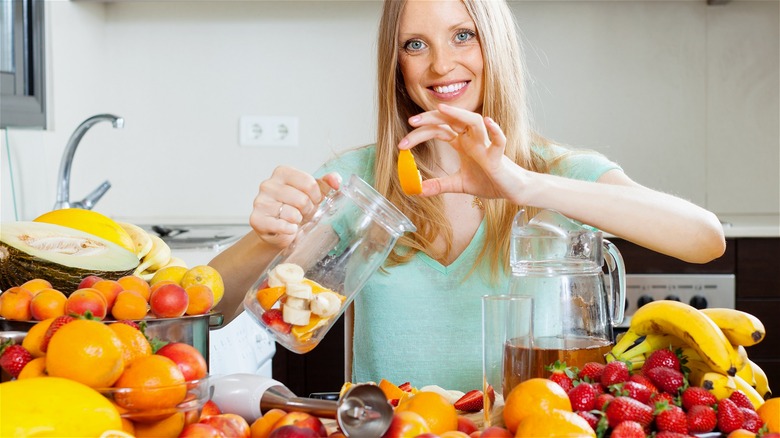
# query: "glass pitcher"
558,262
307,287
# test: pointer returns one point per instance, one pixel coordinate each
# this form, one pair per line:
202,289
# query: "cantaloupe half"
61,255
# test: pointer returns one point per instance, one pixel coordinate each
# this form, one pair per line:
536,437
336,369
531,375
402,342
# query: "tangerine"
556,422
437,411
537,395
86,351
769,412
155,383
134,343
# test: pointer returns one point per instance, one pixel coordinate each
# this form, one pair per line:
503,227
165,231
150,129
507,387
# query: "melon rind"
24,256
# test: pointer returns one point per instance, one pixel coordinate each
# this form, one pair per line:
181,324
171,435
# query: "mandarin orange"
769,412
86,351
556,422
436,410
155,382
537,395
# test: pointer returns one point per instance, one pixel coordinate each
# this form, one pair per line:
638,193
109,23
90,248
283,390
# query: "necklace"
476,202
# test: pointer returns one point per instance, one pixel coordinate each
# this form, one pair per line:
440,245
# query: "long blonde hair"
504,101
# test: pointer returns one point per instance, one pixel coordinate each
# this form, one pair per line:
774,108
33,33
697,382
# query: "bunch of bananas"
712,340
153,253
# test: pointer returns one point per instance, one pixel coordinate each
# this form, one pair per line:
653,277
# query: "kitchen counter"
751,225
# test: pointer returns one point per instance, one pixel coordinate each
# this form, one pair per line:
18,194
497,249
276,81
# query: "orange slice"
391,390
268,296
304,332
408,175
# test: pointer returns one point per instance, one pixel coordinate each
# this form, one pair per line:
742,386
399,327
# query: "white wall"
683,95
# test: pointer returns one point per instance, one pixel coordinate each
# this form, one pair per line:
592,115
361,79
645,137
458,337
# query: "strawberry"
53,327
740,399
590,417
730,418
583,397
701,419
668,434
627,409
752,421
696,395
641,379
636,391
132,324
614,372
472,401
602,400
666,379
670,418
628,429
406,387
13,358
592,371
662,358
273,319
561,374
491,395
661,396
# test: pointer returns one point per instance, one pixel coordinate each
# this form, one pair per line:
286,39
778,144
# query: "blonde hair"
503,100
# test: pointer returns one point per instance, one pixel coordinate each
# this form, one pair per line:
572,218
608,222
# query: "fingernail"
415,119
404,142
491,121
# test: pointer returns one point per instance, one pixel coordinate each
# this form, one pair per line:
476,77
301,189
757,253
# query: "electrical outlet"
268,131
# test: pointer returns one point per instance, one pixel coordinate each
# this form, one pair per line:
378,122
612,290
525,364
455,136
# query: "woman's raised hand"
480,142
287,200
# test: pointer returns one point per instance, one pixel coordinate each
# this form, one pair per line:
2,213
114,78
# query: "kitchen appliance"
362,411
558,263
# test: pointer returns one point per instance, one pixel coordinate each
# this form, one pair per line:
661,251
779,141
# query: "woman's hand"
287,200
480,142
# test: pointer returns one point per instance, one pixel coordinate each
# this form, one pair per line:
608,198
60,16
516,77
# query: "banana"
142,242
90,222
651,343
690,325
740,328
762,383
755,398
158,257
740,357
719,384
294,316
175,261
285,273
746,373
626,341
325,304
298,290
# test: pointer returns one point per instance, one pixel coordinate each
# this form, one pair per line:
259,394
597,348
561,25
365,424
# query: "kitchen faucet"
63,179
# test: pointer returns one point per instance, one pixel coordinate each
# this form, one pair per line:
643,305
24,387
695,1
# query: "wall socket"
268,131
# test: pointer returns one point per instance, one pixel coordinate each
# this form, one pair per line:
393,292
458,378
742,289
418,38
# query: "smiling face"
440,54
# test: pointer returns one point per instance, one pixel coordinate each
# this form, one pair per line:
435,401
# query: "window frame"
26,105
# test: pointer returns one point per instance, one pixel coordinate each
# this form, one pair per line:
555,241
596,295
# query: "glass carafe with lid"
559,263
307,287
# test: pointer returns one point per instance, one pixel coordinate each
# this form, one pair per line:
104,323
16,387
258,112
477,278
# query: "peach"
496,432
47,303
169,301
209,408
201,430
135,283
86,300
201,299
110,289
15,304
232,425
302,420
262,427
36,285
131,305
88,281
189,360
291,431
406,423
466,424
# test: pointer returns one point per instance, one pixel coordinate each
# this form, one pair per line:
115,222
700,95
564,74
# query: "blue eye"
414,45
464,35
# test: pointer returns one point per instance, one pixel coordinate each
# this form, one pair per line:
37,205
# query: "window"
22,103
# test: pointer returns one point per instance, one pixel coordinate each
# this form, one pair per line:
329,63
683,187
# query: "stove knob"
644,299
672,298
699,302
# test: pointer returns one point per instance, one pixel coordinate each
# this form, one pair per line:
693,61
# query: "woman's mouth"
449,91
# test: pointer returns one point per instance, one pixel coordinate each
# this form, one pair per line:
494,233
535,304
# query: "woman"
451,89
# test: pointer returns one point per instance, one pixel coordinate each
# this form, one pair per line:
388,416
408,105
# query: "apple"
209,408
406,424
189,360
169,301
231,425
201,430
88,281
304,420
290,431
466,424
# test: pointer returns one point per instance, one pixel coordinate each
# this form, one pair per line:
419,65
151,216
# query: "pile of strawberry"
655,400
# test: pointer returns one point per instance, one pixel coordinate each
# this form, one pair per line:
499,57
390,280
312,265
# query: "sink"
198,236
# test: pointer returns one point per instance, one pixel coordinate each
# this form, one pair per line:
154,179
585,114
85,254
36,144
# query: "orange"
741,433
268,296
34,368
169,427
206,275
436,410
769,412
156,384
32,341
532,396
263,426
408,175
556,422
131,305
86,351
392,392
134,343
135,283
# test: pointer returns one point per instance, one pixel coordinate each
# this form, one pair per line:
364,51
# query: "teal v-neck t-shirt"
421,322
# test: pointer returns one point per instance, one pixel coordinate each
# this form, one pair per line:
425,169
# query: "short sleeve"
358,161
585,165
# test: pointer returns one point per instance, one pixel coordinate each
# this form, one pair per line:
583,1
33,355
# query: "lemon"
205,275
173,273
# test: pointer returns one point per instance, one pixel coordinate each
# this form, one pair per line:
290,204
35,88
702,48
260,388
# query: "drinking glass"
507,339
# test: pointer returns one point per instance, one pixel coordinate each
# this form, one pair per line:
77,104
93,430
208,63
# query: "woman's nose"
443,61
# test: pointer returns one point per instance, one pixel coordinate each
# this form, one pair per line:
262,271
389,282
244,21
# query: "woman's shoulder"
358,161
582,164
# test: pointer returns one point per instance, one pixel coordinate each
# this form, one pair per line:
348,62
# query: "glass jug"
558,262
307,287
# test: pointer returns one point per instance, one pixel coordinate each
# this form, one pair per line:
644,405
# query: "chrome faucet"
63,179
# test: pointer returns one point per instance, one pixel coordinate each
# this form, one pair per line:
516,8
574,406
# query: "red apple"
406,424
201,430
231,425
466,424
169,301
209,408
304,420
190,361
88,281
291,431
